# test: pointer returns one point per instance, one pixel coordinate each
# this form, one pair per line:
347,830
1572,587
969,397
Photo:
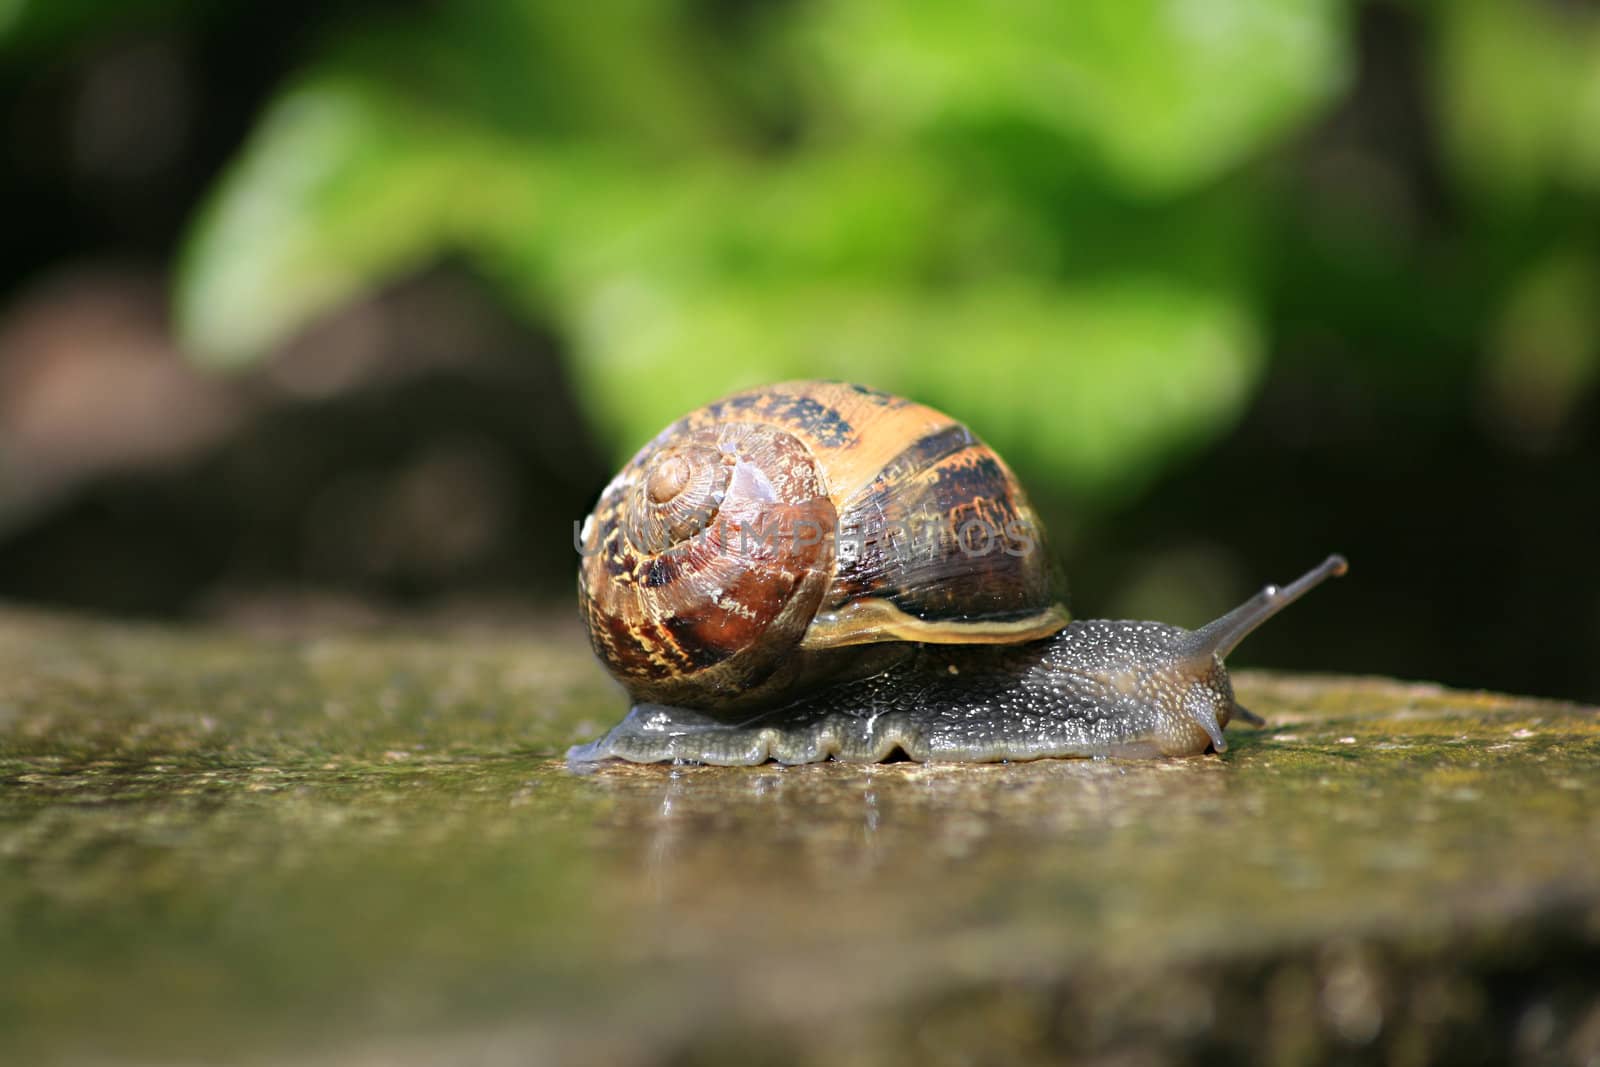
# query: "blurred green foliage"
1066,222
1521,96
1035,215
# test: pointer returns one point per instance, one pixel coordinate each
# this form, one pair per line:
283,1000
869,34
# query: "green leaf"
1086,332
453,130
1519,89
595,216
1096,385
628,69
1163,94
341,187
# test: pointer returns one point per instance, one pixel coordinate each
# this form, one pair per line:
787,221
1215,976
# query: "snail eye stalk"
1222,636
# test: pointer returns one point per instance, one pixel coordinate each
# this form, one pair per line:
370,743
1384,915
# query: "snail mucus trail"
736,655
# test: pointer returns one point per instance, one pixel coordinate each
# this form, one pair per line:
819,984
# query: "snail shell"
802,533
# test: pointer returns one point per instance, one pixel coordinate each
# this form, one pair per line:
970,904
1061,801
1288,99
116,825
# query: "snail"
817,570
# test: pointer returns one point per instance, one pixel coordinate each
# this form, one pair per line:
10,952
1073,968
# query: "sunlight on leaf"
1094,386
1163,93
338,192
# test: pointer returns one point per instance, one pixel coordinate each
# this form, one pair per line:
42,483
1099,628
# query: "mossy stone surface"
366,848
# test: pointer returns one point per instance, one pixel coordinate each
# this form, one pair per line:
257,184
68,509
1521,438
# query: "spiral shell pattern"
758,544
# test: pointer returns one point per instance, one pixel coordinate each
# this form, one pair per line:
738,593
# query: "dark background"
1411,245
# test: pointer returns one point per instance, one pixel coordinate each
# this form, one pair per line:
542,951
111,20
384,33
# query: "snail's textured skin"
1097,688
693,600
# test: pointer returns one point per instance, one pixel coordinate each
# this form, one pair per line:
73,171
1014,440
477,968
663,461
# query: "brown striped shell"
801,533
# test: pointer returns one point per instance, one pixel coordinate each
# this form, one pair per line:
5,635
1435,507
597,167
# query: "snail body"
817,570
